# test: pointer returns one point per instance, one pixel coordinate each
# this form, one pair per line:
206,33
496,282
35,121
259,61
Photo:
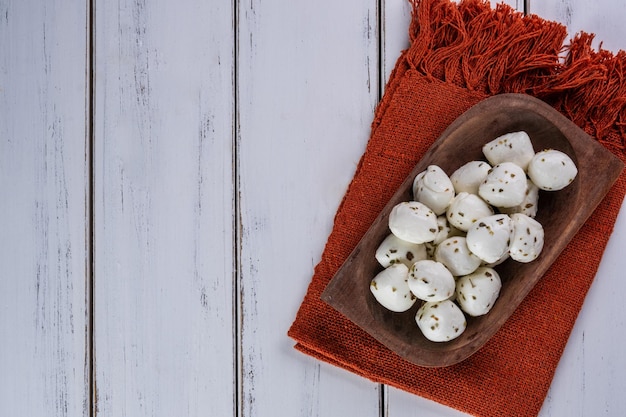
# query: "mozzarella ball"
513,147
490,237
431,281
440,321
527,239
505,185
468,177
477,293
413,221
393,250
456,256
466,209
552,170
433,188
530,203
391,289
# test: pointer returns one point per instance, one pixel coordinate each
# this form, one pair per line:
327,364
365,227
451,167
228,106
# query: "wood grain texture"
184,185
308,84
604,18
590,378
395,20
164,342
44,360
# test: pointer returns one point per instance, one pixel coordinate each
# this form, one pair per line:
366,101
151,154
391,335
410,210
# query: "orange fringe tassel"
499,50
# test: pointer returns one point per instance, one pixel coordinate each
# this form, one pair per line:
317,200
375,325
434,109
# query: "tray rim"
575,136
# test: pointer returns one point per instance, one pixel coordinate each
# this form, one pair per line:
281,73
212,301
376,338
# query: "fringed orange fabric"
496,51
459,55
490,50
595,98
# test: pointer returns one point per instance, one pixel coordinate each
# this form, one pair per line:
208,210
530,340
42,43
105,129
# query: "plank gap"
380,29
89,200
383,398
380,26
236,225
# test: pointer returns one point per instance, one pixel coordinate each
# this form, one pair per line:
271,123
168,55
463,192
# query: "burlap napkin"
459,55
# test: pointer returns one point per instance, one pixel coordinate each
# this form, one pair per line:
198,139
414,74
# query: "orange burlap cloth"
459,55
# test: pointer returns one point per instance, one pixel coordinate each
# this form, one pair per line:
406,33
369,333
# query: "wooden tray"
561,213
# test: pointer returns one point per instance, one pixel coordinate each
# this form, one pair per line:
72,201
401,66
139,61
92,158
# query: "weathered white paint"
308,85
603,17
44,362
395,20
215,189
590,378
164,107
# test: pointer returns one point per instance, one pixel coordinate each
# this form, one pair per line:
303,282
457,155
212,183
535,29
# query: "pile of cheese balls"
444,244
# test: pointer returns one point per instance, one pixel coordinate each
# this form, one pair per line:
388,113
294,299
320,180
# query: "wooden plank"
164,208
397,16
308,85
395,22
602,17
588,380
44,359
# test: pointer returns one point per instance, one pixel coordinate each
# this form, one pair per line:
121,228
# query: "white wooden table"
169,173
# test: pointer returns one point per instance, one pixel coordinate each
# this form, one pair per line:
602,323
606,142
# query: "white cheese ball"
413,221
490,237
391,289
466,209
527,240
477,293
530,203
513,147
505,185
431,281
468,177
393,250
552,170
440,321
456,256
433,188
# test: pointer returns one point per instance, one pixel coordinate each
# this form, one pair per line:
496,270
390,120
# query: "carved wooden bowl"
561,213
